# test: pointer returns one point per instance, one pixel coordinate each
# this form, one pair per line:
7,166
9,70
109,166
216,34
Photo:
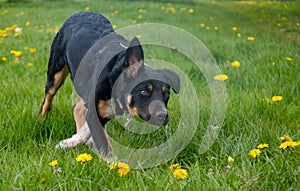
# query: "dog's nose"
162,116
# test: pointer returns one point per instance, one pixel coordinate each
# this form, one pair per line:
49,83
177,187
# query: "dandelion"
16,53
262,146
216,28
27,24
43,180
17,34
287,144
207,28
234,28
250,38
286,138
180,174
140,16
32,50
139,36
238,35
273,63
221,77
202,25
211,18
87,8
254,153
123,168
4,59
230,159
276,98
114,26
278,24
236,64
29,64
191,11
288,59
53,163
84,157
174,166
123,171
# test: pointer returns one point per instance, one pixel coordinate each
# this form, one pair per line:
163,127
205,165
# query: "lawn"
256,45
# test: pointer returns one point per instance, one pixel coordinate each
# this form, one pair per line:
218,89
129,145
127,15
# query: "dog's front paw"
72,142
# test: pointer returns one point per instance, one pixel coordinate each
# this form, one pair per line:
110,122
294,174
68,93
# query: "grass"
27,144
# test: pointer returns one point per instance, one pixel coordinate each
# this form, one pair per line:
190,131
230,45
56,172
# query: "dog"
147,99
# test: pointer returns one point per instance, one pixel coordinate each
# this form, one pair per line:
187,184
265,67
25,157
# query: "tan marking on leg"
59,78
105,109
79,110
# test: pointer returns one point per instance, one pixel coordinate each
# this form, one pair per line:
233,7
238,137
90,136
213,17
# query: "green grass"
27,144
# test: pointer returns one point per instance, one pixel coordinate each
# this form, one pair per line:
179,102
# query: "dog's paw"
72,142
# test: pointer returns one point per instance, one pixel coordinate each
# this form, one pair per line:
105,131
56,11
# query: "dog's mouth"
157,114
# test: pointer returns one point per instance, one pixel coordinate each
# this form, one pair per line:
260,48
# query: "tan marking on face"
133,111
150,87
129,98
163,89
59,78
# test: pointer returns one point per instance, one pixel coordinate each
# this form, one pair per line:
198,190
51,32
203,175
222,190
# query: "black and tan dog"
147,99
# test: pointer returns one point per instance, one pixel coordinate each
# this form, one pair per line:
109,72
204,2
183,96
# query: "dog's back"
73,41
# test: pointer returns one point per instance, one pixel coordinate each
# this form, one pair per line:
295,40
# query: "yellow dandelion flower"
236,64
287,144
288,59
221,77
87,8
27,24
238,35
230,159
250,38
276,98
211,18
286,138
191,11
180,174
84,157
53,163
17,34
174,166
234,28
298,24
216,28
4,59
123,171
16,53
273,63
29,64
254,153
202,25
32,50
207,28
115,26
278,24
262,146
139,36
43,180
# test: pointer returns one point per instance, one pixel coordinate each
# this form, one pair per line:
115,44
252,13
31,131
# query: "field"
256,45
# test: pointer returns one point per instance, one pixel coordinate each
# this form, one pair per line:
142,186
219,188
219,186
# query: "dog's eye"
144,92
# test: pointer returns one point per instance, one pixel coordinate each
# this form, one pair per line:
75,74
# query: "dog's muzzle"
158,113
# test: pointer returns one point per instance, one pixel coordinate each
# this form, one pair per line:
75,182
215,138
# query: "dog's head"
148,90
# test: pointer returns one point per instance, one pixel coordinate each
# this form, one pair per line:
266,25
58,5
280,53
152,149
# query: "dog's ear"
134,58
172,79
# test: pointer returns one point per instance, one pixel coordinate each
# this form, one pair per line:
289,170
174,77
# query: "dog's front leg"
82,136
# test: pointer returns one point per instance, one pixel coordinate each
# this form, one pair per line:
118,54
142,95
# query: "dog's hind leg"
54,81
